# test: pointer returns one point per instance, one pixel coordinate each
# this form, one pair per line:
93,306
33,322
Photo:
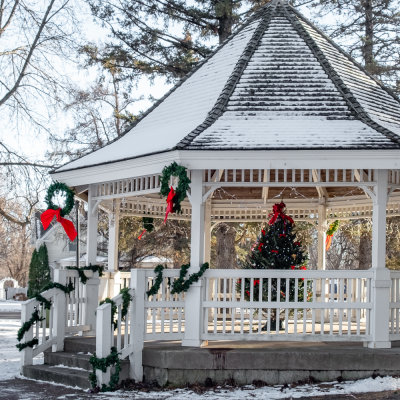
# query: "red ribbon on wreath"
68,226
170,203
277,211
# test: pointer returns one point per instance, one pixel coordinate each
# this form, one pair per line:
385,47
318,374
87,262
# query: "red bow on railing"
68,226
278,212
170,203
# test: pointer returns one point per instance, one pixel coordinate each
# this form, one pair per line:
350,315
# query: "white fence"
68,314
394,332
292,305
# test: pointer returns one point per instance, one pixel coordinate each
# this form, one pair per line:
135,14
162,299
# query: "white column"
138,284
193,311
104,336
59,316
92,221
113,235
380,286
321,236
207,231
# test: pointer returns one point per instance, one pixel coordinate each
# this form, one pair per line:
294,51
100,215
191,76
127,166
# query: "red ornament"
282,235
263,231
170,203
292,266
274,251
68,226
303,267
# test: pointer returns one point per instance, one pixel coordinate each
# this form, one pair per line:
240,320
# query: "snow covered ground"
10,306
10,362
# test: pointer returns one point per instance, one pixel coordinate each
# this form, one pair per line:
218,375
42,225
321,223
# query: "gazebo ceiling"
277,83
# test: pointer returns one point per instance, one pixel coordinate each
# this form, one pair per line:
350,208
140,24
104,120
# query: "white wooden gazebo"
278,105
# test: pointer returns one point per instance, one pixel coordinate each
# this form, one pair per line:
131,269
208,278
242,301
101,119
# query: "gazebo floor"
240,362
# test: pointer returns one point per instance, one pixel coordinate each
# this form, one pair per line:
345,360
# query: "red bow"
68,226
170,203
278,212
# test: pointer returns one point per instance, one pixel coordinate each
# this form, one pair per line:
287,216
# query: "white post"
92,221
59,313
138,284
27,353
193,309
103,340
113,234
207,231
380,290
321,236
91,294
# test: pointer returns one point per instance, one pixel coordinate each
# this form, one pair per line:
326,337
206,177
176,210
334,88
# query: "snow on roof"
277,83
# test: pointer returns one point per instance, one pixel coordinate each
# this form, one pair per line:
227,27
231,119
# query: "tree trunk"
365,249
368,45
226,252
223,11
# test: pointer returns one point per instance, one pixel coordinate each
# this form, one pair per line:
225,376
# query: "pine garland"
126,299
102,364
183,186
35,318
156,286
180,285
81,271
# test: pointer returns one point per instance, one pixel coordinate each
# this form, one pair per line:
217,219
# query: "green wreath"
183,186
56,188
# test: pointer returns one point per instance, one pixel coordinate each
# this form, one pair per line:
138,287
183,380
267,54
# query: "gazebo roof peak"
276,83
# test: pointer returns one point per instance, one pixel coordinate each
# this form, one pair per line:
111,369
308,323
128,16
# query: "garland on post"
333,227
81,271
180,285
35,318
55,211
102,364
126,299
174,197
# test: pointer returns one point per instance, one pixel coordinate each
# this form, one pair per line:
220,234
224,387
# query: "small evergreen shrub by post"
39,271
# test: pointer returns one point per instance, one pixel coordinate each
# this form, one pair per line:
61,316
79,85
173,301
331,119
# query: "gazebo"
278,105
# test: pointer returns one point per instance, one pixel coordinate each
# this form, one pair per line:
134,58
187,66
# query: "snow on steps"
70,367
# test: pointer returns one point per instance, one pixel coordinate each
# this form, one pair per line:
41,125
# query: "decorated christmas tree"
276,248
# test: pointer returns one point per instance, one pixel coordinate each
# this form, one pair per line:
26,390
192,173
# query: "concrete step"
51,373
79,344
73,360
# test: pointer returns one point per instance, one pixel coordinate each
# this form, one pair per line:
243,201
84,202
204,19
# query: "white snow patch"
10,306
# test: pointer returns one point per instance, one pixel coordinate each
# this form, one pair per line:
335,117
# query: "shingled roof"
277,83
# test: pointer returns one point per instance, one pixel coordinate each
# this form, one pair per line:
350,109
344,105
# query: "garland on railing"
81,271
35,317
180,285
102,364
154,289
126,299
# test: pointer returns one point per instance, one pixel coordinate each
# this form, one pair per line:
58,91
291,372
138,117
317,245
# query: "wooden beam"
322,192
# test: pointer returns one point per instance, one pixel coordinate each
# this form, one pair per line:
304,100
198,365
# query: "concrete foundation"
168,363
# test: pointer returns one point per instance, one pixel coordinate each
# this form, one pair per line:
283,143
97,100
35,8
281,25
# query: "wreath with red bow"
174,196
54,210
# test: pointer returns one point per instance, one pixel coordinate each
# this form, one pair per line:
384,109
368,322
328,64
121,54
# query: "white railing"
107,335
310,305
164,312
69,313
394,328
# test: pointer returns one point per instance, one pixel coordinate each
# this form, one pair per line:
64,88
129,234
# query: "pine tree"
39,271
369,30
276,248
164,37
